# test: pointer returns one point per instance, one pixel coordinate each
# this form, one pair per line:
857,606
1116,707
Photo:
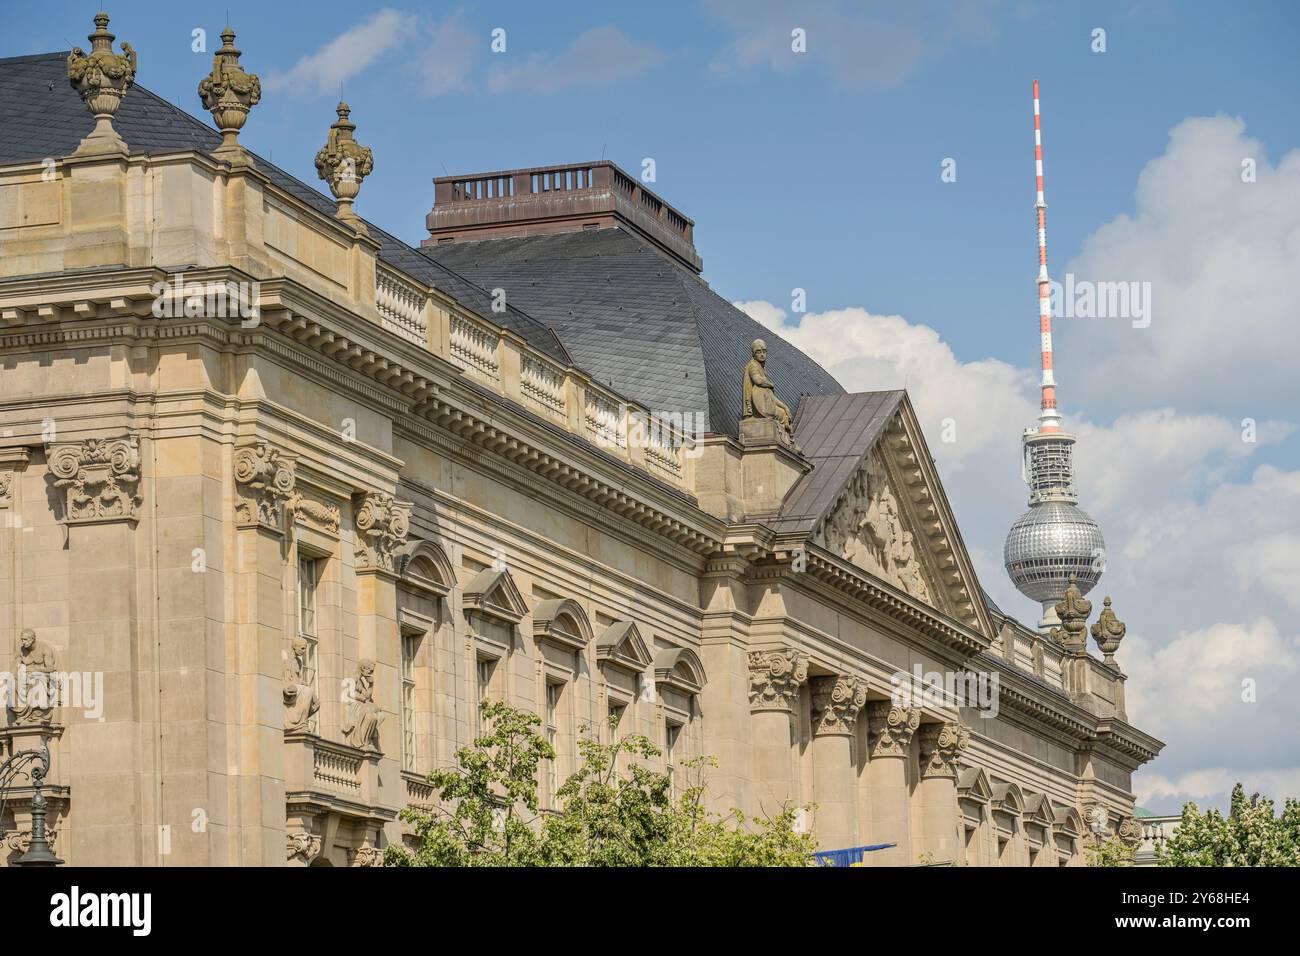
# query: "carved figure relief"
300,700
364,718
866,528
38,682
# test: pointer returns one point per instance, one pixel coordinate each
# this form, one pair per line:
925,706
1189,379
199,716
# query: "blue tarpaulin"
849,856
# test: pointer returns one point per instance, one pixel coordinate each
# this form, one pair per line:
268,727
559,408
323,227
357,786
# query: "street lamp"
38,848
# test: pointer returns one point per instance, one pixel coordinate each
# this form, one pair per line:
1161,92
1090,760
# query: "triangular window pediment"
494,593
621,644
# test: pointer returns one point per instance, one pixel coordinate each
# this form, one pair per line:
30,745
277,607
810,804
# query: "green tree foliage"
614,811
1110,852
1251,835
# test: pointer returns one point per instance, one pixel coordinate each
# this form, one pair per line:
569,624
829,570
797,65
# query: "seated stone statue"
300,701
38,688
759,394
361,729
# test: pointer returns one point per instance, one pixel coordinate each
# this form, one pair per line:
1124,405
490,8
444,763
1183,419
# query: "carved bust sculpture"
37,690
300,701
364,716
759,394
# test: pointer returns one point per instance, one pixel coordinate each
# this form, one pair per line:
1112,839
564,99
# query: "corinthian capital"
382,526
891,728
941,746
264,477
835,704
99,477
775,678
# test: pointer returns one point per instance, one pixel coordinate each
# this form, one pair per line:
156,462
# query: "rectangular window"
410,647
615,720
671,734
485,668
553,695
309,574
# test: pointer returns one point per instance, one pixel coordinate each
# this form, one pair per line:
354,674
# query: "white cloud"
1207,787
1271,562
600,56
854,46
345,56
448,50
1221,256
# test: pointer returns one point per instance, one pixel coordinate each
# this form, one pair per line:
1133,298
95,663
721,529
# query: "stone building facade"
300,496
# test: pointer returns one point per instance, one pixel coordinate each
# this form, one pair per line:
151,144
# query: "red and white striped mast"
1049,418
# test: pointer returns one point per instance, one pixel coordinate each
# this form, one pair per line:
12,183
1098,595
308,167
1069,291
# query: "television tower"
1054,540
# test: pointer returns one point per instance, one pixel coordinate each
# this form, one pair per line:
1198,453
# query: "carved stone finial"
343,163
382,526
265,478
101,78
941,746
1073,610
775,678
1108,631
763,416
99,477
890,728
228,93
836,702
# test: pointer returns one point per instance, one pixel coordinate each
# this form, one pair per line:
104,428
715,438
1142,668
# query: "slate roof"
41,116
835,433
636,320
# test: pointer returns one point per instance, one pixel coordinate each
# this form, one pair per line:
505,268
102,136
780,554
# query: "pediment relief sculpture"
867,529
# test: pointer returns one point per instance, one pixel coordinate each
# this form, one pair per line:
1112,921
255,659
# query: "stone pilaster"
264,481
836,703
938,834
774,681
890,731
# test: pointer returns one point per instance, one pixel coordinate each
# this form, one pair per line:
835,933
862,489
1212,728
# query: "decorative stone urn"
1108,631
101,78
343,163
228,93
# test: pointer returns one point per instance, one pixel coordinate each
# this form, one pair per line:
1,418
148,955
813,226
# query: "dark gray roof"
42,116
636,320
835,432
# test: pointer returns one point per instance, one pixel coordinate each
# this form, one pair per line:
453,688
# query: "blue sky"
821,171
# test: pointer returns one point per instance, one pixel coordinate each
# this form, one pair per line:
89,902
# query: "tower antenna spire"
1049,418
1054,543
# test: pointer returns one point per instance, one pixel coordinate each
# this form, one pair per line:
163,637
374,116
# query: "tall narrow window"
410,646
309,570
485,668
553,693
671,734
615,720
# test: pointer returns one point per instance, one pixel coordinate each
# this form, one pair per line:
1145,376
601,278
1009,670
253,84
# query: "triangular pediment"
622,644
888,515
494,593
973,784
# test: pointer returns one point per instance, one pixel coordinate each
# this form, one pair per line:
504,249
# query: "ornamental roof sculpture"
343,163
101,78
229,93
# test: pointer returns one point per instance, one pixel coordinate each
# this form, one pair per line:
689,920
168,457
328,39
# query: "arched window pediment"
680,667
422,565
562,621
